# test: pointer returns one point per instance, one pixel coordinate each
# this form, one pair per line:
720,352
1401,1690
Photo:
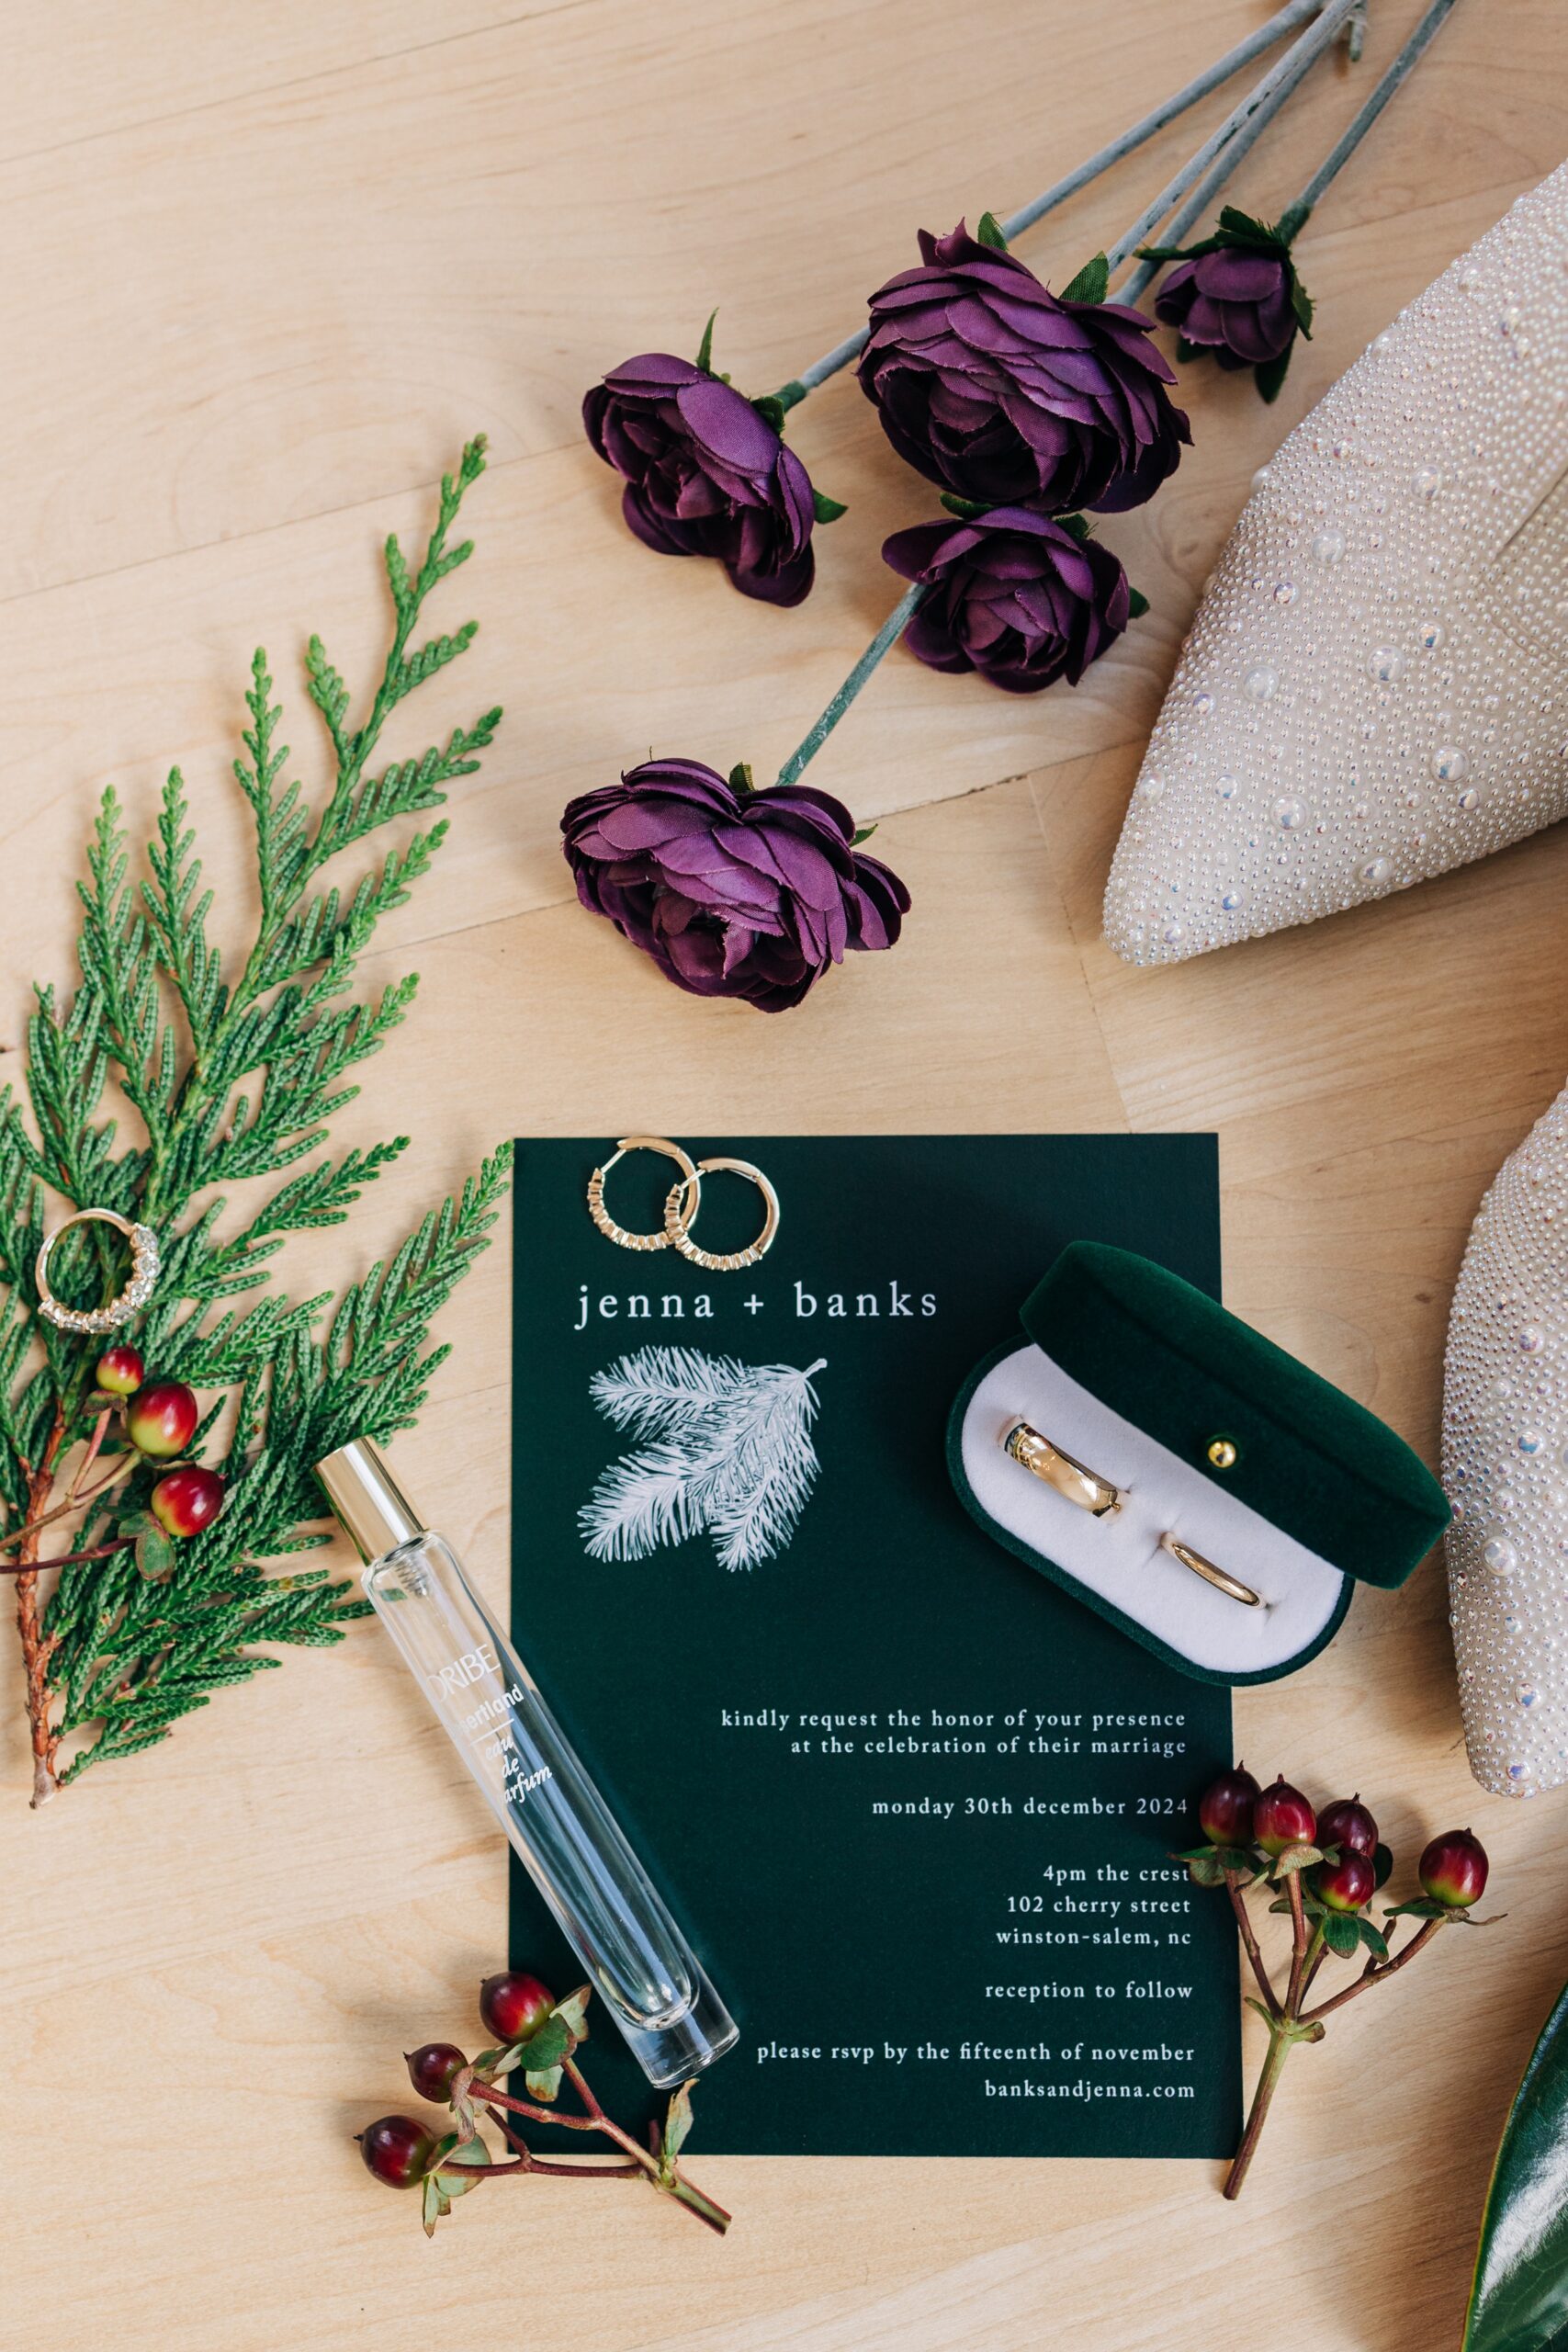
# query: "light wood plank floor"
267,268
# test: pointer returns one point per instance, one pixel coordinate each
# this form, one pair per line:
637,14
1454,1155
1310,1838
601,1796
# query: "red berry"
161,1419
1453,1869
396,2149
120,1371
1281,1818
1224,1809
183,1501
431,2068
515,2006
1347,1884
1348,1823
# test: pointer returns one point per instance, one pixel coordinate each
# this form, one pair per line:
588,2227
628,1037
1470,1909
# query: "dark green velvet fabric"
1166,1357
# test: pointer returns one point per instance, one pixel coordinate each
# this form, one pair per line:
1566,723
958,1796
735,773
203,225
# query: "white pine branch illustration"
663,1388
733,1456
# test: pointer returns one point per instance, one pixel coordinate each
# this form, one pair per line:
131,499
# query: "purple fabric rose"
1003,391
1237,296
1012,594
1232,303
732,893
705,474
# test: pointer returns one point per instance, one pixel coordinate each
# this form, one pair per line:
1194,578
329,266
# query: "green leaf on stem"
1374,1938
969,510
1204,1869
154,1554
1341,1933
1270,374
705,349
677,2127
543,2085
827,510
741,777
1295,1858
864,834
454,2178
771,408
1091,283
1137,604
988,231
1423,1907
573,2011
547,2047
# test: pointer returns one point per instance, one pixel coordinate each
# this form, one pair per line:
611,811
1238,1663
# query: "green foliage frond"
231,1075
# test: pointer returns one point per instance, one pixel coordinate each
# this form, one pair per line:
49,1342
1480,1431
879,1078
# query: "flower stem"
594,2119
1279,2040
1298,1941
66,1560
1293,219
1374,1974
1262,103
1250,1941
88,1494
886,636
1333,163
1284,21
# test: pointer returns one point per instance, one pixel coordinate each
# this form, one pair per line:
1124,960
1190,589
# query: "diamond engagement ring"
145,1265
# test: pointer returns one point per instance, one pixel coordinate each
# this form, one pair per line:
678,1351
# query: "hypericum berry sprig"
539,2038
1323,1868
140,1424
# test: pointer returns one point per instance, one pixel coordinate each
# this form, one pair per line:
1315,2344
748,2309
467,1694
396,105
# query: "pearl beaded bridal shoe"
1506,1470
1375,687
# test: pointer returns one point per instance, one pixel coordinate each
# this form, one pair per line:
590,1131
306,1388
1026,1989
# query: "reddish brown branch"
38,1649
1374,1974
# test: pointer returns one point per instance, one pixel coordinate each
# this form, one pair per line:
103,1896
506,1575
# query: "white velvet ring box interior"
1211,1435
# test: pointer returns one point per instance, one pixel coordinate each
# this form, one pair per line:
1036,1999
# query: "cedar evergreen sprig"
229,1079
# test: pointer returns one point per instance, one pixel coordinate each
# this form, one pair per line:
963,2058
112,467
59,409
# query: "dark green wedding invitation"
913,1806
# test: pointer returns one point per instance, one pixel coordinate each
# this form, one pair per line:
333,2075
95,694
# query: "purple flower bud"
1011,594
1234,303
705,474
993,386
749,895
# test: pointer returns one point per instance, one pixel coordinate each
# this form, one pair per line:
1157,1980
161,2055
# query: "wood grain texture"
268,268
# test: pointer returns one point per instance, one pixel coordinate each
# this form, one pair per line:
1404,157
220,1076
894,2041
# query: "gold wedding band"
1231,1586
679,1218
1070,1478
131,1299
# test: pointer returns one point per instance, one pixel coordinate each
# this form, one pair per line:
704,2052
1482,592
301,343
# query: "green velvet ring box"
1197,1430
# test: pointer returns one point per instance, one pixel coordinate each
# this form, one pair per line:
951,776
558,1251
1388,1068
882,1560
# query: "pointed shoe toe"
1375,687
1506,1470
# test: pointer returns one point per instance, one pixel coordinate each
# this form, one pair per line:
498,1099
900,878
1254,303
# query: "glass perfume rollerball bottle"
531,1777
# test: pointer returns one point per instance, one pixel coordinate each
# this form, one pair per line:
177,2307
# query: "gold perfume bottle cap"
375,1514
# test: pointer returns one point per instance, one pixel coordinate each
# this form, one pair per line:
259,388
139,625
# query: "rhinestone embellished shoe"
1505,1469
1375,687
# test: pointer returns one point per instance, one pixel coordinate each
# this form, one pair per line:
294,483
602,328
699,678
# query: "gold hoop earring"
690,1185
131,1299
678,1221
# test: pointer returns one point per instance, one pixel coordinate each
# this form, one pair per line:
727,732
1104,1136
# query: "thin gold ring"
1231,1586
131,1299
1069,1477
689,1183
678,1222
